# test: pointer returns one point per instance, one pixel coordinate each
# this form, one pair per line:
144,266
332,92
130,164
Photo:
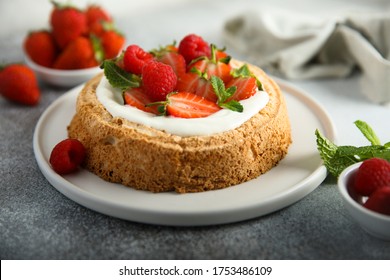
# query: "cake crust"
145,158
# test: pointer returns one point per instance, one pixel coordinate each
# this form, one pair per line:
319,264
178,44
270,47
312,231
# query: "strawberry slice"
175,60
246,87
213,66
137,98
197,83
189,105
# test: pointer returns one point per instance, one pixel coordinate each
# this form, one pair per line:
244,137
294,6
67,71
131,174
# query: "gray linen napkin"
303,46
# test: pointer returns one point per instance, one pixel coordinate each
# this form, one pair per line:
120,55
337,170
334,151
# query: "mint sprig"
223,95
119,78
337,158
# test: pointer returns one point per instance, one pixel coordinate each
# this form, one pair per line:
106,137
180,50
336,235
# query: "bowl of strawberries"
365,188
70,51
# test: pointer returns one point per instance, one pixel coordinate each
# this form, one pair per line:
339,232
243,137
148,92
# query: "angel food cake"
184,119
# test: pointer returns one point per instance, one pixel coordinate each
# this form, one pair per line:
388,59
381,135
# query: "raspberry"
66,156
158,80
193,46
379,201
135,58
371,175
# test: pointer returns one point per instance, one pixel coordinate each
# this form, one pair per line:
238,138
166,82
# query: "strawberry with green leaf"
247,84
213,66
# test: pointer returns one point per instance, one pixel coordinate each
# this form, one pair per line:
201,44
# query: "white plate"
295,176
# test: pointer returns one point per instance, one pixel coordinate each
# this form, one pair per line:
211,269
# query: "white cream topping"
220,121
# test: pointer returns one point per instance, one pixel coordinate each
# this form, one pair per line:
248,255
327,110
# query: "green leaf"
119,78
219,89
337,158
233,105
368,132
243,72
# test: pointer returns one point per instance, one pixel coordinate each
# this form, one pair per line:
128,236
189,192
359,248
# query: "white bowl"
63,78
372,222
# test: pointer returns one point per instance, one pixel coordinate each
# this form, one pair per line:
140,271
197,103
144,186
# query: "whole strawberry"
19,84
79,54
67,23
112,43
40,47
95,14
372,174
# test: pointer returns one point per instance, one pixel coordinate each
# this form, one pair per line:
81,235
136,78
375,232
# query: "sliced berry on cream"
194,67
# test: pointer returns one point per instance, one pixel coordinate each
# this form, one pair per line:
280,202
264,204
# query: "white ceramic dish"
63,78
295,176
372,222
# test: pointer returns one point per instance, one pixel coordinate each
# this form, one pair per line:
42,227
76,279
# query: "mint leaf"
119,78
223,94
337,158
219,89
368,132
233,105
327,151
243,72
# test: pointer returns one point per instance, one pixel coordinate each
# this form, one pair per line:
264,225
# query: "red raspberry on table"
372,174
135,58
193,46
158,80
67,155
379,201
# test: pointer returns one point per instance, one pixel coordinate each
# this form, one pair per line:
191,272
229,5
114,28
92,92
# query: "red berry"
135,58
96,14
175,60
137,98
196,83
67,24
158,80
246,87
112,43
372,174
40,47
379,201
188,105
18,83
193,46
67,155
